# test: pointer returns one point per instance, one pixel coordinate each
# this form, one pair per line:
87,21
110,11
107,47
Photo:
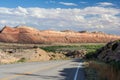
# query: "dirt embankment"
23,55
13,54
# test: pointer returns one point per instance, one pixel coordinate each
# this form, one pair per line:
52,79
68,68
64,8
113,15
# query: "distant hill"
24,34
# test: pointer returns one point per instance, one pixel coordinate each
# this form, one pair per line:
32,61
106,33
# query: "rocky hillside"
5,58
23,34
110,52
21,55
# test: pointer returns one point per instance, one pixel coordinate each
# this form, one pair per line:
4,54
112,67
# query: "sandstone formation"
23,34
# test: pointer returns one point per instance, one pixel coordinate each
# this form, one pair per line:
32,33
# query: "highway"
49,70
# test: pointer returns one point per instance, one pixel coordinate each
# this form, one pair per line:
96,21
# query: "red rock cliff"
25,34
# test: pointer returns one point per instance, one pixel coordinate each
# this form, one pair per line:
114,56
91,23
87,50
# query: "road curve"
50,70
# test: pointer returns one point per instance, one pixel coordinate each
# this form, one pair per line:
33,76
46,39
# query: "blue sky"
91,15
54,3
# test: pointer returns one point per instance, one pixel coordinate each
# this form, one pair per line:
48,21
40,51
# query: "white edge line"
75,77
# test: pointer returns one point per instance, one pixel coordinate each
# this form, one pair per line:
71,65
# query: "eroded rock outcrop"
110,52
23,34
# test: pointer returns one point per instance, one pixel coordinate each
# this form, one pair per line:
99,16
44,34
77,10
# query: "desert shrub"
93,53
35,47
58,48
91,49
22,60
88,48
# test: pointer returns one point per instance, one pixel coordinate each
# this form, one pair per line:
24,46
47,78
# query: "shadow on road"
65,74
36,75
69,73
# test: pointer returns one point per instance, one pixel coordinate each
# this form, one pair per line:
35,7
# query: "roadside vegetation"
97,70
22,60
90,48
103,64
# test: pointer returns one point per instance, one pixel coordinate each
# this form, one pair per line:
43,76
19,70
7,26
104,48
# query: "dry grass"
105,71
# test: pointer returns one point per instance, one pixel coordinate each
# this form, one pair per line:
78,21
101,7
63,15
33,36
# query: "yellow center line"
31,72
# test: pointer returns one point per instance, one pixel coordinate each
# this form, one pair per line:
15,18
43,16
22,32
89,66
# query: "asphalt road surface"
50,70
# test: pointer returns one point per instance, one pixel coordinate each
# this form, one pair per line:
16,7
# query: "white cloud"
68,4
90,18
105,4
3,22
